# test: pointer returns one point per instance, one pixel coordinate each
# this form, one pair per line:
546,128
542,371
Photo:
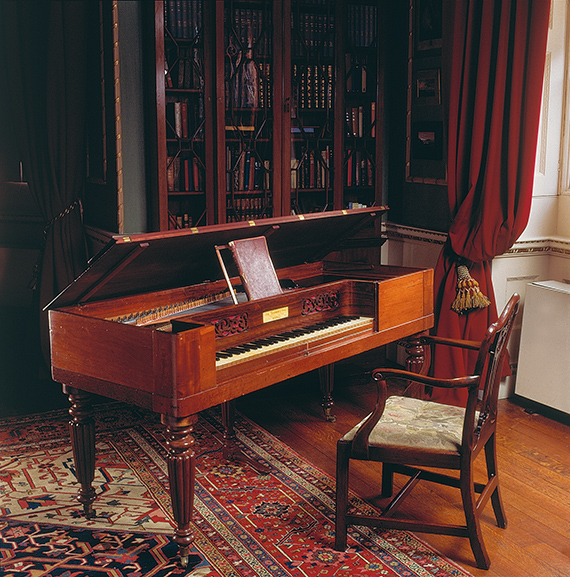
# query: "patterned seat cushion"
416,423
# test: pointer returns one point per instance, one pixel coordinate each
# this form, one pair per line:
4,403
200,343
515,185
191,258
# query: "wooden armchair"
409,434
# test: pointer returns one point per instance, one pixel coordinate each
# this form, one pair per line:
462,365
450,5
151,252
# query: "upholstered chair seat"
416,424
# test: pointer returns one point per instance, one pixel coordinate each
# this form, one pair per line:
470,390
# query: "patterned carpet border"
246,524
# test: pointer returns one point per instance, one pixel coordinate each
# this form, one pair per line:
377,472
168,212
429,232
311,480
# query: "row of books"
245,171
179,220
313,171
313,34
362,24
361,120
185,70
246,207
250,30
185,118
250,85
244,84
184,174
313,86
359,169
183,18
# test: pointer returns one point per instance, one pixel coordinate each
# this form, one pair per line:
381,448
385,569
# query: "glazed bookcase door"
187,116
246,130
265,108
311,112
362,127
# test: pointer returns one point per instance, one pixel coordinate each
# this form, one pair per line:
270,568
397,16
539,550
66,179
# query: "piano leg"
82,429
230,450
326,378
181,476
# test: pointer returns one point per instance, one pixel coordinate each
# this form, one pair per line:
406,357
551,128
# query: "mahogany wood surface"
533,458
174,373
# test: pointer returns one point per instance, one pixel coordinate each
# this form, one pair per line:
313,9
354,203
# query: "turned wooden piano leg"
82,429
326,378
181,460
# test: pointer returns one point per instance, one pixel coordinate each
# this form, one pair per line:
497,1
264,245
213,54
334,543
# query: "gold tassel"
469,296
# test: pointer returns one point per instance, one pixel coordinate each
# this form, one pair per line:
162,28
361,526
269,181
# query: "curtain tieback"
33,284
469,295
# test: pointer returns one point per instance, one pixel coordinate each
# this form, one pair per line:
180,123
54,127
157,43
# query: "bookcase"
265,108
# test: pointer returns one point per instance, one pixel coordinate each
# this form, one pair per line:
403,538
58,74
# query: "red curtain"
496,63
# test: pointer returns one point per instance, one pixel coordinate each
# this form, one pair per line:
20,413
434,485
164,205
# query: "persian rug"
245,523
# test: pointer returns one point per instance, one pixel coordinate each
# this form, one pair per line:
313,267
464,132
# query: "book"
255,267
246,173
184,118
187,175
197,183
178,119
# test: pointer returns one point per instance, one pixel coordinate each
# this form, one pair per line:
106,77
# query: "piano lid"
141,263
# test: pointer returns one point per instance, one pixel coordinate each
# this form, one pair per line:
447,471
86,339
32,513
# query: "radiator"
543,373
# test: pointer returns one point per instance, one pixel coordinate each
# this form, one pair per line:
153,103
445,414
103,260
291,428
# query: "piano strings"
161,313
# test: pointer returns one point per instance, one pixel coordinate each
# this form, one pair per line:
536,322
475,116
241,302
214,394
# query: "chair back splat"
408,435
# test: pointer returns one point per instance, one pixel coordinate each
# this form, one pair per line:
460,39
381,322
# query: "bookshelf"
266,108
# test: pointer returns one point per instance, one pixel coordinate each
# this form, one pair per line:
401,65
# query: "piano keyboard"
290,338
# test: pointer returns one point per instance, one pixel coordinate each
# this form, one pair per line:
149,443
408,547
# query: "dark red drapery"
43,66
494,94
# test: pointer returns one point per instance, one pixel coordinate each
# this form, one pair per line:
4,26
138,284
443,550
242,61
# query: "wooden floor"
534,464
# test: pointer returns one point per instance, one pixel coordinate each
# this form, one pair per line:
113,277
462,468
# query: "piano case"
98,343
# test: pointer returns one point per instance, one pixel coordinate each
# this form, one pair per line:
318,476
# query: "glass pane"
360,106
249,116
184,83
312,77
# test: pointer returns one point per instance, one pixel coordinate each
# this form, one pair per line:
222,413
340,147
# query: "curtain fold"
44,65
496,63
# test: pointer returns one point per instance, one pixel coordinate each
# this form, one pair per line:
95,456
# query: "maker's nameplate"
275,314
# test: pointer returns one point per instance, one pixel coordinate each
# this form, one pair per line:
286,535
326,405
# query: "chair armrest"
455,383
461,343
360,440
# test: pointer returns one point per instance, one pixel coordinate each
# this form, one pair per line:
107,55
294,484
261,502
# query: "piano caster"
329,416
184,556
327,404
326,379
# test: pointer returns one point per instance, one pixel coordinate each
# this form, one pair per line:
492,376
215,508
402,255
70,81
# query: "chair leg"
342,470
496,501
472,518
387,480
